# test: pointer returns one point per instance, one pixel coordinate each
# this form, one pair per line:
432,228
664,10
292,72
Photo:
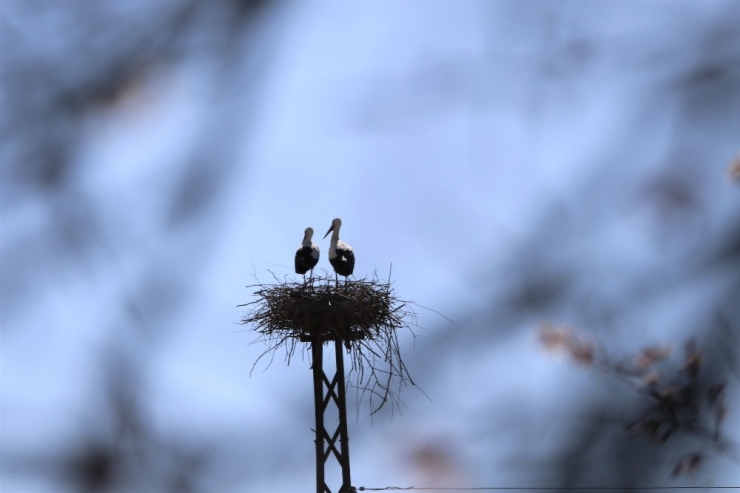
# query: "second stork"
341,256
307,255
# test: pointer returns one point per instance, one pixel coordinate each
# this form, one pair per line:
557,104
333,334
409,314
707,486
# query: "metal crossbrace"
330,441
330,390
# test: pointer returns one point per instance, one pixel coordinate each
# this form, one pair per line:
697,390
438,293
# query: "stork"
341,256
307,255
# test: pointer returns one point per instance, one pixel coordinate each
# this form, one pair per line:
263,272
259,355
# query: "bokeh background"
512,162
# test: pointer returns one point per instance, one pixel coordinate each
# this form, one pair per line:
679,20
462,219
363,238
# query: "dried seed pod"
554,338
583,352
733,171
651,356
692,359
688,464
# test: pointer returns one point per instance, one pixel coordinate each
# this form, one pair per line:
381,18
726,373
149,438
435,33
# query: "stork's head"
308,234
335,225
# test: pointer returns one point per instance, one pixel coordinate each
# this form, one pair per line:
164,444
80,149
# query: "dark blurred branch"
680,402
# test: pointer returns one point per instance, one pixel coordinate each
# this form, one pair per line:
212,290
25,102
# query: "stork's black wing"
344,262
304,261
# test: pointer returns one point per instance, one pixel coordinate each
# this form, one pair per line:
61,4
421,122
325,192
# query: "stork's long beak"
330,230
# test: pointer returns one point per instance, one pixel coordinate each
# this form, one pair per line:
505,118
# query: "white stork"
307,255
341,256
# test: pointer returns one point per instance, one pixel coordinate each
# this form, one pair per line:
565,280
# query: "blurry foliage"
62,61
118,449
61,66
679,400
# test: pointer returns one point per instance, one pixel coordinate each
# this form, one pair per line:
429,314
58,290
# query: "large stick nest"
363,314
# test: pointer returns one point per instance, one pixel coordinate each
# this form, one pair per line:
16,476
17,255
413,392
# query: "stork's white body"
307,255
341,256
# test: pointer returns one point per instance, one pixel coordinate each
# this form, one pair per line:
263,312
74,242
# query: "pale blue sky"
452,138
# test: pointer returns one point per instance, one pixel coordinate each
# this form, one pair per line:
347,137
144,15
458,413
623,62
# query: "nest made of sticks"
363,314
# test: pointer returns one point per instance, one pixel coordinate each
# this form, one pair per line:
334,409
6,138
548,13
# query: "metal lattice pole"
326,392
318,396
342,428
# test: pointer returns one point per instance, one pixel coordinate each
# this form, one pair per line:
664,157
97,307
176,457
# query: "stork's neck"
334,237
307,237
